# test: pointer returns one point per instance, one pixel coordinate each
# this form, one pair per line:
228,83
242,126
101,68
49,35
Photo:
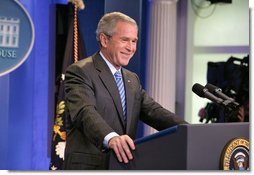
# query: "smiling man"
105,101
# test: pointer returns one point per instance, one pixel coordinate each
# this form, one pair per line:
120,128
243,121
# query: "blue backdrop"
27,94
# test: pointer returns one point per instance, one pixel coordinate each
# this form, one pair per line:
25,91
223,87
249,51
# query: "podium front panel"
185,147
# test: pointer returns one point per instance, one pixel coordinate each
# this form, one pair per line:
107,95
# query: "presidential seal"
235,155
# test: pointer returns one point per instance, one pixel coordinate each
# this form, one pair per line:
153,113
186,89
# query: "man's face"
120,47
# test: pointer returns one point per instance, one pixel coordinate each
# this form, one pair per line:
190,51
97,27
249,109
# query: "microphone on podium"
230,108
218,92
210,92
203,92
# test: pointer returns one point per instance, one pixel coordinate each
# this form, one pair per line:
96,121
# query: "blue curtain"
26,97
27,93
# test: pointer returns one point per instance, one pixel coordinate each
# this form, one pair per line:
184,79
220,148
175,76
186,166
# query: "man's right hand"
121,146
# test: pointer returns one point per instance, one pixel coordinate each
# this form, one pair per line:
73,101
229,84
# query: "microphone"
203,92
218,92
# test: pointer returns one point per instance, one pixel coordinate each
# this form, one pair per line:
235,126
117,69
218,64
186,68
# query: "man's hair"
108,23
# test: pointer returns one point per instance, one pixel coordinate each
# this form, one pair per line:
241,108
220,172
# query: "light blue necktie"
119,82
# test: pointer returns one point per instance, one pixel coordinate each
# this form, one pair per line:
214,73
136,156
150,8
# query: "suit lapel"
129,98
109,82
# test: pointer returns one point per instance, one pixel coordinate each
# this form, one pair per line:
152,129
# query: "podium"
183,147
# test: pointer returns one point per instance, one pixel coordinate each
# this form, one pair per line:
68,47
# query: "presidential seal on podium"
235,155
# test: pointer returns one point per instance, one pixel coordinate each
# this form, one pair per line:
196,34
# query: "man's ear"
104,40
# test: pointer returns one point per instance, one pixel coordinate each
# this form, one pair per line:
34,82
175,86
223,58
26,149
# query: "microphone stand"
231,110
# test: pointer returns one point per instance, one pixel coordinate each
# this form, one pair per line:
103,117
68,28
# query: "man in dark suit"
104,117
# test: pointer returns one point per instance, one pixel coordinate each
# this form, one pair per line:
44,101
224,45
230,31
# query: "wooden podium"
184,147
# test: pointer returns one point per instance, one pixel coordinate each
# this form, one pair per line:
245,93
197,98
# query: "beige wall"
213,39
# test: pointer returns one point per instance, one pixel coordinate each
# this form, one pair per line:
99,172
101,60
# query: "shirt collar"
111,67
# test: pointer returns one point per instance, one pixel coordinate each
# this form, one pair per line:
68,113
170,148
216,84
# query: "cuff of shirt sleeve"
107,138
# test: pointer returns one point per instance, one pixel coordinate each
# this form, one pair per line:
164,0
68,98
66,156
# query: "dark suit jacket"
94,106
